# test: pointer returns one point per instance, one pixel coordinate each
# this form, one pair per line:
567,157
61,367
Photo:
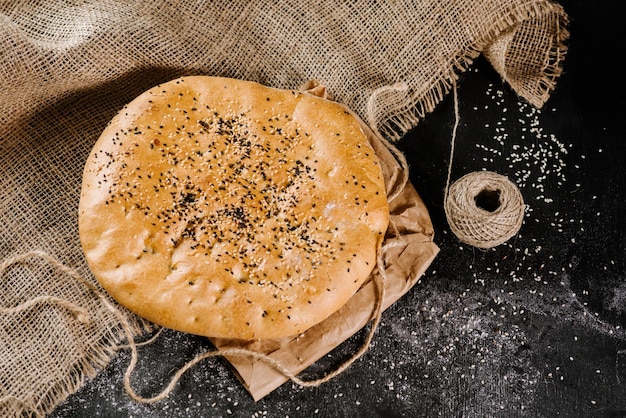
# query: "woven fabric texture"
67,66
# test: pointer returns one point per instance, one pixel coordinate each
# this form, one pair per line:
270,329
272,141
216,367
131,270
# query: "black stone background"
534,327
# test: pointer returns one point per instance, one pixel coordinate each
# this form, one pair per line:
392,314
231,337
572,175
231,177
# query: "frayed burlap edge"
535,87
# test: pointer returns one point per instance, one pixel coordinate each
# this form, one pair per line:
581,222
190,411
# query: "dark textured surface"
534,327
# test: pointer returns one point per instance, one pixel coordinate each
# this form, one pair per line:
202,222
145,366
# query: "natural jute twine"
484,209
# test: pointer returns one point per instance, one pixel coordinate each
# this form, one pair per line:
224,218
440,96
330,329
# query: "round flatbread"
225,208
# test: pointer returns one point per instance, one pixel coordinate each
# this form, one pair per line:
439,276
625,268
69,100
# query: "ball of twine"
484,209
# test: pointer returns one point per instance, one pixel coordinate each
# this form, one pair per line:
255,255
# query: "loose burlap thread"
66,67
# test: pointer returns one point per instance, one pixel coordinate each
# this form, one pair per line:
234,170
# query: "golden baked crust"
228,209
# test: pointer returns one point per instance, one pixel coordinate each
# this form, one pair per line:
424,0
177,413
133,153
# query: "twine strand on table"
276,365
484,209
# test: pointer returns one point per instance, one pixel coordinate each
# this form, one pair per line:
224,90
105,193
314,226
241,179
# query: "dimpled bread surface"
225,208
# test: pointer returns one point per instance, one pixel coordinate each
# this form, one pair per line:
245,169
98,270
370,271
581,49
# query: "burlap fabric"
66,67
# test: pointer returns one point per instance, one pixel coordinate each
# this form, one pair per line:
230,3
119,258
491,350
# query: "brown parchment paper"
408,250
